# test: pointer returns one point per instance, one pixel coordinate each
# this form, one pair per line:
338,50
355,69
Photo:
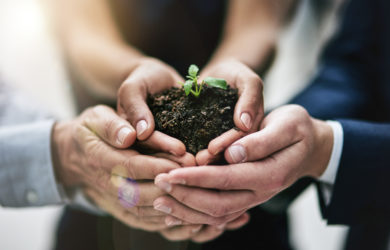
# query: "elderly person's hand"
92,152
289,145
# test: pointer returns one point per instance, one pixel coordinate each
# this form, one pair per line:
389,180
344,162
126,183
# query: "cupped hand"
289,145
92,152
248,111
149,77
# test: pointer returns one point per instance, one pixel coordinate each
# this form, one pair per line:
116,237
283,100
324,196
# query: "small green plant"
192,85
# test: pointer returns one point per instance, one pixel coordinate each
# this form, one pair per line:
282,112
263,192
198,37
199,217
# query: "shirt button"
32,196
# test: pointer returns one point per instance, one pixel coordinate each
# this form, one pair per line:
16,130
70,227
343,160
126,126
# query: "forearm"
251,31
363,174
97,53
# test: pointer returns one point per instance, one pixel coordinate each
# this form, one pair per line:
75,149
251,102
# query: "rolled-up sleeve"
26,171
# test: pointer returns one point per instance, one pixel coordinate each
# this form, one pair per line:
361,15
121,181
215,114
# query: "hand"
289,145
202,233
249,110
149,77
91,153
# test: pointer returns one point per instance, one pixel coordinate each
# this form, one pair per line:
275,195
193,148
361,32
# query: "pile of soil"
194,120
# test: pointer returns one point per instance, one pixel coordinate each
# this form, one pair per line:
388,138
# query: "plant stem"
196,84
201,85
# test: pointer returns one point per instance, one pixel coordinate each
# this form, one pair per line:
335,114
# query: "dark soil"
194,121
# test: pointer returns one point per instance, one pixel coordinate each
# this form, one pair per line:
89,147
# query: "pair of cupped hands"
169,190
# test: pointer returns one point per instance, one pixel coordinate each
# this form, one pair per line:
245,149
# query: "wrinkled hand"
149,77
91,153
248,111
289,145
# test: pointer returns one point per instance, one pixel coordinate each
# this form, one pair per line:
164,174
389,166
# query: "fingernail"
170,221
163,208
141,127
122,134
221,227
246,120
197,229
237,153
163,185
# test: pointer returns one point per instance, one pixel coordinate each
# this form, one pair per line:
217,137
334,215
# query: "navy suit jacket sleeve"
352,86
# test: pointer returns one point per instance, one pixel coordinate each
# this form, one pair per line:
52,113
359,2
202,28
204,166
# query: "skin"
92,152
289,145
94,46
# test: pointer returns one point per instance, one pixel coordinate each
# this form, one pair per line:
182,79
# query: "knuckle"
109,127
181,198
124,87
99,109
226,183
278,182
131,168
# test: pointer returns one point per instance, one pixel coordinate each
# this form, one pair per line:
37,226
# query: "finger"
227,177
185,161
113,129
249,108
239,222
150,78
145,212
143,167
131,193
161,142
139,211
223,141
122,214
207,233
211,202
204,157
262,143
132,99
153,219
186,214
179,233
127,164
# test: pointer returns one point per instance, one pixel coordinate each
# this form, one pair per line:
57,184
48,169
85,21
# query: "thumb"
132,103
111,128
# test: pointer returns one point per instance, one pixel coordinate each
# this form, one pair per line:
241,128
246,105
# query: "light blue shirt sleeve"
26,170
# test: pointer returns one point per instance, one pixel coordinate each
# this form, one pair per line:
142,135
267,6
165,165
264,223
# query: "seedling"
192,85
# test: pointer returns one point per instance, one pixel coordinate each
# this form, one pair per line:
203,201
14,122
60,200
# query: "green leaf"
187,87
193,70
216,82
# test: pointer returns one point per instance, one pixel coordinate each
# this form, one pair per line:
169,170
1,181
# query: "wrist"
61,154
322,148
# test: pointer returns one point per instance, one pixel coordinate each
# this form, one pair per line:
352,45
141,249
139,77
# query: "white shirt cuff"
328,178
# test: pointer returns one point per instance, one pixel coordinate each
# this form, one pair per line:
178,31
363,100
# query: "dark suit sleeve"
361,190
348,88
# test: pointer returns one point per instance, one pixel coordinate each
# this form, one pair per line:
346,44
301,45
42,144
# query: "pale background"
31,60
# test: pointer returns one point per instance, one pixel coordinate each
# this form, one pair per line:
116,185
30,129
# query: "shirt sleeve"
328,178
26,170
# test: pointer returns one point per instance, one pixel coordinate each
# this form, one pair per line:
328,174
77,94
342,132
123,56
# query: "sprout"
192,85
